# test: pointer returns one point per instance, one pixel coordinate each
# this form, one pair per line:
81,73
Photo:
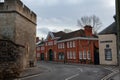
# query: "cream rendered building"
108,45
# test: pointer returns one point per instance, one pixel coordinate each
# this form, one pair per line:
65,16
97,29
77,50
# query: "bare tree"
93,21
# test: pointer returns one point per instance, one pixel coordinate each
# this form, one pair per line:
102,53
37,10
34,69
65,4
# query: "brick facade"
76,47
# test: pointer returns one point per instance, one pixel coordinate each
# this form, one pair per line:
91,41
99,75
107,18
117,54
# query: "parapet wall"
23,9
17,5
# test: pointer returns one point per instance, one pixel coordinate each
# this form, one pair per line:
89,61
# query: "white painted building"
108,45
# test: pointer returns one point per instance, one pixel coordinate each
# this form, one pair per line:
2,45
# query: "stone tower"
18,24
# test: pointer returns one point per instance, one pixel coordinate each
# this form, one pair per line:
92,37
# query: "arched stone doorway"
51,55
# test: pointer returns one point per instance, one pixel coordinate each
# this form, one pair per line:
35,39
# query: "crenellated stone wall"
18,24
19,7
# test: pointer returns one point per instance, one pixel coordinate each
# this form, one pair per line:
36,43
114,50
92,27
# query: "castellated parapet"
18,24
19,7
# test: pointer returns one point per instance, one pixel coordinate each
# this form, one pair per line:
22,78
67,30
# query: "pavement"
32,71
114,75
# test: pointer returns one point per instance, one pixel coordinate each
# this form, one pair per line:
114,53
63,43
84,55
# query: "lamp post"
117,3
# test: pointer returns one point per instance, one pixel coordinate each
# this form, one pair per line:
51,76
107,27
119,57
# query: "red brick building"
79,46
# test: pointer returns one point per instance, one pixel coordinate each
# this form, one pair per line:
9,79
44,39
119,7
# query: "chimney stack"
88,30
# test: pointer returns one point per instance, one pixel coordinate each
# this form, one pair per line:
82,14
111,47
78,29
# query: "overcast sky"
56,15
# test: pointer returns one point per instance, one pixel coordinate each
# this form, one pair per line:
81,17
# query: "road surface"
60,71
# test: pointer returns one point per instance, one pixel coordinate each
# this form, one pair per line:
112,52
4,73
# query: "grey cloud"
43,30
64,13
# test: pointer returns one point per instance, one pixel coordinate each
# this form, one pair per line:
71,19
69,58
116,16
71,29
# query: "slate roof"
63,35
111,29
58,34
40,43
78,33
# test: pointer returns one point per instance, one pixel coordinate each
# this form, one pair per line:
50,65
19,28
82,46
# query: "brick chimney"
88,30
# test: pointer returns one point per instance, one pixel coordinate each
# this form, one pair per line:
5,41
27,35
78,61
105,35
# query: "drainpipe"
117,2
65,54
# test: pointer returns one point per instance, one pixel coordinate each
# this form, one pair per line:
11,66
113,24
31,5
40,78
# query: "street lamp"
117,3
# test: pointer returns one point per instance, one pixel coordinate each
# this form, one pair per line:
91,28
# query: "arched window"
108,53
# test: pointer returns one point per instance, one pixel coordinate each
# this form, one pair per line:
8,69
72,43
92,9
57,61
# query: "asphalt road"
60,71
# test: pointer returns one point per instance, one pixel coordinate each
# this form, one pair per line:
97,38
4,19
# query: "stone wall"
17,5
10,58
7,25
26,35
18,24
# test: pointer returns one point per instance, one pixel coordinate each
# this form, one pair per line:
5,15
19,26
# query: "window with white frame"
58,46
55,42
88,55
38,48
80,55
84,54
38,54
42,48
63,45
74,55
61,56
68,45
68,56
108,53
73,43
50,43
71,55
